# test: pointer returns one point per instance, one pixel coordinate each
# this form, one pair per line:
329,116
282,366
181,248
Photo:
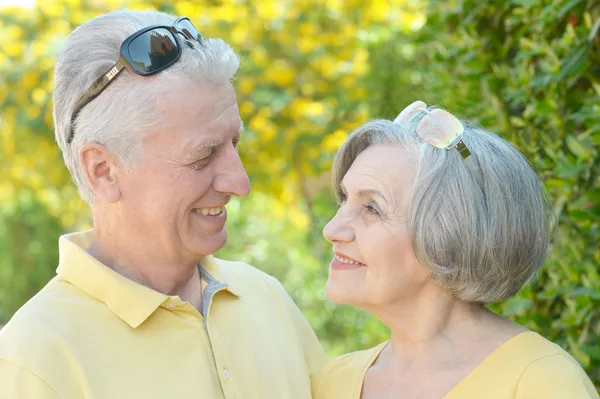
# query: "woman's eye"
371,208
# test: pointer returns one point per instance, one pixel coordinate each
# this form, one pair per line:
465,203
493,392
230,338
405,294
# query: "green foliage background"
529,70
313,70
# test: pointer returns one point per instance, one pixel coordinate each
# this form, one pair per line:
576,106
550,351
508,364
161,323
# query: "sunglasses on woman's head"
146,52
442,130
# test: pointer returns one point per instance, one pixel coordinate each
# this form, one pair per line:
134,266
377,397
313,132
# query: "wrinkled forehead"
190,113
388,169
184,100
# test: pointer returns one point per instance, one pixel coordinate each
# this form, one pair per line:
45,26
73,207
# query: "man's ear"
101,171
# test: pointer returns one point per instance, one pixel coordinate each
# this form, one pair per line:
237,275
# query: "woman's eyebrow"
370,192
364,192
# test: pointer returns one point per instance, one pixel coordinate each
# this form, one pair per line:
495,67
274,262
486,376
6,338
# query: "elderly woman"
437,219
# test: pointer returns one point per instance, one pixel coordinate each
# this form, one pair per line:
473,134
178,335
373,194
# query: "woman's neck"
437,328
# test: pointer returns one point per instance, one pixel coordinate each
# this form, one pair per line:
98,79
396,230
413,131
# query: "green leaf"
518,122
568,7
593,293
525,2
576,148
574,61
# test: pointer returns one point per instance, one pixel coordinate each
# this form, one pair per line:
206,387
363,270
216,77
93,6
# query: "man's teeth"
209,211
346,260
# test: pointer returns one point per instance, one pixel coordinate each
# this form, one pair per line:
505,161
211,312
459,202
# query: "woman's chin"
342,294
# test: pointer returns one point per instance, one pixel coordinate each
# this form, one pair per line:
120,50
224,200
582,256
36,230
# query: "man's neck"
170,277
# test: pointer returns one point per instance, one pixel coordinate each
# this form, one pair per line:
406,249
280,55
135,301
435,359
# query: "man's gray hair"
482,243
125,110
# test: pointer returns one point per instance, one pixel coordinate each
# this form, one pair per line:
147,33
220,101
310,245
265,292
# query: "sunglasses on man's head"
146,52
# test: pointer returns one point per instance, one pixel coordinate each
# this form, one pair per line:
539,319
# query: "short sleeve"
19,383
555,377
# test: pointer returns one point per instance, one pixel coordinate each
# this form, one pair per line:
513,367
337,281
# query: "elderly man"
148,124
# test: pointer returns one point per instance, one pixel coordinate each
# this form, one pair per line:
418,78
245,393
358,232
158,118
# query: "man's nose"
232,178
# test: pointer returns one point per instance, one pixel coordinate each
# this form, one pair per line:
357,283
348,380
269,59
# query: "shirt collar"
130,301
211,272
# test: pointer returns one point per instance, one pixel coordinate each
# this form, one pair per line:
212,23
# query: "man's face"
188,170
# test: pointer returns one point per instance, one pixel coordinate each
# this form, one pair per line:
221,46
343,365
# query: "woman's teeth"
346,260
209,211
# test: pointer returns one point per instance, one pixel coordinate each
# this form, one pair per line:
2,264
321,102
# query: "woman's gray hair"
120,116
482,243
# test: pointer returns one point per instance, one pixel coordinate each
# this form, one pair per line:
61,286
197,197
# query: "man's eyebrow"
210,144
218,143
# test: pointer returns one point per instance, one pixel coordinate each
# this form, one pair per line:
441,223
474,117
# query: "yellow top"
525,367
93,334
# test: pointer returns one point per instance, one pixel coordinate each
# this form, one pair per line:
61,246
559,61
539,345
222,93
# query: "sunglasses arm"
95,89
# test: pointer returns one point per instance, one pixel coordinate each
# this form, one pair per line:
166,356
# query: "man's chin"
208,245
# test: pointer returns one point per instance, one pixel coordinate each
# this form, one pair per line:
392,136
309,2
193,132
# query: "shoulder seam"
557,353
549,345
33,374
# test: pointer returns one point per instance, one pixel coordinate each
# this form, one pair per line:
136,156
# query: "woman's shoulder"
541,368
555,376
344,374
551,372
530,347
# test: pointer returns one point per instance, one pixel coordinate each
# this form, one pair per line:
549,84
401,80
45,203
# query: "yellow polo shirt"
91,333
526,366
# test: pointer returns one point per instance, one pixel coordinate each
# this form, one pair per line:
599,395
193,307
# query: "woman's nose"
338,230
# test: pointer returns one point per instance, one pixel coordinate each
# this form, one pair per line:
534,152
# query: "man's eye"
201,163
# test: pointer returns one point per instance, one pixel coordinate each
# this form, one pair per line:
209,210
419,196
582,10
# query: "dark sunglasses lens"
189,29
153,50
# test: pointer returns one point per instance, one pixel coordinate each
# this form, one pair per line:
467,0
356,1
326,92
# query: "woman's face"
374,263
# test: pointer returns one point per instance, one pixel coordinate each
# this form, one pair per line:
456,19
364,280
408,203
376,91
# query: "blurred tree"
28,244
536,81
298,83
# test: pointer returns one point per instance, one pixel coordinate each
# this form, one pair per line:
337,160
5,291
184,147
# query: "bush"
536,81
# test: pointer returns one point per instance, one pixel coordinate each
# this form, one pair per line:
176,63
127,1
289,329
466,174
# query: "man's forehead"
204,140
216,134
184,98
